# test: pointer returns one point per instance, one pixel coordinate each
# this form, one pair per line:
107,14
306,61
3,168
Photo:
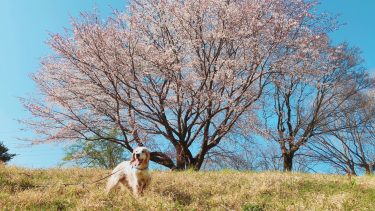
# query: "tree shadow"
177,195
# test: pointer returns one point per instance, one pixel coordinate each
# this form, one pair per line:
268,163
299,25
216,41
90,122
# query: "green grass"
22,189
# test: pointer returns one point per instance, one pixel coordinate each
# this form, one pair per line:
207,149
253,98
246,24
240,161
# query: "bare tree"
269,158
184,74
304,106
235,153
351,149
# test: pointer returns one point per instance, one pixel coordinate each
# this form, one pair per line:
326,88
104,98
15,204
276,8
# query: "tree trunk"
351,169
198,161
198,165
351,172
162,159
288,161
368,169
180,158
184,160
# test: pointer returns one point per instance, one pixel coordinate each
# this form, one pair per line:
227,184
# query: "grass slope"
220,190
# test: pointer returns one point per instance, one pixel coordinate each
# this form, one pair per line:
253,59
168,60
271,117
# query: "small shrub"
252,207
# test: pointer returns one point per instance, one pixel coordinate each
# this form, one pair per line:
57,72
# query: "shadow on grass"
252,207
17,185
177,195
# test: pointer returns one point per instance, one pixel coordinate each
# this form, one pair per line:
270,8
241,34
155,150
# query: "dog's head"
140,157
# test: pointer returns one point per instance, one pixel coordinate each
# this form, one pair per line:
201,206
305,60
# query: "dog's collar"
141,169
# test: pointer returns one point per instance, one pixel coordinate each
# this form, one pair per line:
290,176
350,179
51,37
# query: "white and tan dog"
132,174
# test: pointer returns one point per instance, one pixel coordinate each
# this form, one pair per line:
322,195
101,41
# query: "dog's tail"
113,180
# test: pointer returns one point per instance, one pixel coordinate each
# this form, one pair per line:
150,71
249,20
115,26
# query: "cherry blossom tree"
179,76
304,106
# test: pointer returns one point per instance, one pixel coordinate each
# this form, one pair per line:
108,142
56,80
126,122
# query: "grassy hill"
23,189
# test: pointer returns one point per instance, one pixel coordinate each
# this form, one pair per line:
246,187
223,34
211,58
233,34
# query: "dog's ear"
133,158
145,162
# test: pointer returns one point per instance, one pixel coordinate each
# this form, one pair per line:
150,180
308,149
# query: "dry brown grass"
219,190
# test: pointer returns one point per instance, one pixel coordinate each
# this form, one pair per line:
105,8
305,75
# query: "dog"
132,174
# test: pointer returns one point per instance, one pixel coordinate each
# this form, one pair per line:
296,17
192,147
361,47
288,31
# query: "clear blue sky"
24,29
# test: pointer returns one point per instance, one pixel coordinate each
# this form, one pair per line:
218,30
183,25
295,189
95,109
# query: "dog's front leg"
135,189
139,188
142,187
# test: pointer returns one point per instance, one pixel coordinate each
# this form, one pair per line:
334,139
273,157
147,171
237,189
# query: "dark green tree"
4,155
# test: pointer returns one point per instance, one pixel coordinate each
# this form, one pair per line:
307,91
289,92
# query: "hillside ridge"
44,189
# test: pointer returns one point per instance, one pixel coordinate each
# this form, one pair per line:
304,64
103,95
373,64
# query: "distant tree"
268,157
299,108
4,155
235,154
352,149
99,153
